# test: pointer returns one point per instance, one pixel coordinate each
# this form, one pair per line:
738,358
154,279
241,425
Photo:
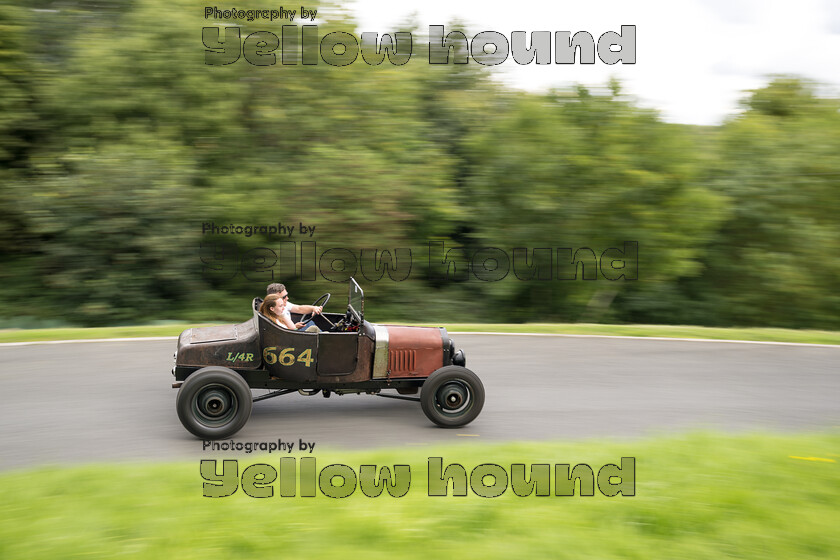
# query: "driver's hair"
269,302
274,288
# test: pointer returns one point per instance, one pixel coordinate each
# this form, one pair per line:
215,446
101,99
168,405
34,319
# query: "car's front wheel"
214,403
452,397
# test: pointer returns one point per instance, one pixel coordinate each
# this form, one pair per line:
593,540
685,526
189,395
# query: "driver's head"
275,288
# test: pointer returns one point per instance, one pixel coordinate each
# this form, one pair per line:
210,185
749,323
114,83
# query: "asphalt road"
87,402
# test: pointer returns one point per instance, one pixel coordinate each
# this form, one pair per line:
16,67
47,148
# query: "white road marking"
31,343
808,344
175,338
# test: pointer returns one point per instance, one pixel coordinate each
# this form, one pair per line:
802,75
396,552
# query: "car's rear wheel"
214,403
452,396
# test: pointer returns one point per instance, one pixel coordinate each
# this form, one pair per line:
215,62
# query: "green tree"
774,261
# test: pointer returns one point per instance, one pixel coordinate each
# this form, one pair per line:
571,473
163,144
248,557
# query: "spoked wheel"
452,397
214,403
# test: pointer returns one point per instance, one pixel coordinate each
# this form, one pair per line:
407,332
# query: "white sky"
694,58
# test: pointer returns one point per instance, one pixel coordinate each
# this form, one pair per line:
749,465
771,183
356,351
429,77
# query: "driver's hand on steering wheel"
317,310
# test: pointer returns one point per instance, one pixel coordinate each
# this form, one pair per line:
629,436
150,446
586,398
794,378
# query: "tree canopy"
118,144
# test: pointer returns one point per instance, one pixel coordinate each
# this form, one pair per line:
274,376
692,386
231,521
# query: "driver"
280,289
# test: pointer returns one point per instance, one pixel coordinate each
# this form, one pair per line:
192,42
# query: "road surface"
113,401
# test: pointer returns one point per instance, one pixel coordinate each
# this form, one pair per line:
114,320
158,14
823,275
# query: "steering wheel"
308,316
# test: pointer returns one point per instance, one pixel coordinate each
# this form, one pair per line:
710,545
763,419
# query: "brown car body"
348,355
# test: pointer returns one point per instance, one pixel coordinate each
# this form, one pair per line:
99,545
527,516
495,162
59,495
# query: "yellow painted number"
286,357
268,355
306,357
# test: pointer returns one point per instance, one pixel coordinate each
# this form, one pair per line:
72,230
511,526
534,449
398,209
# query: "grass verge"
77,333
696,496
666,331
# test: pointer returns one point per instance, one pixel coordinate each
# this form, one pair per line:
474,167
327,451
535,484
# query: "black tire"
452,397
214,403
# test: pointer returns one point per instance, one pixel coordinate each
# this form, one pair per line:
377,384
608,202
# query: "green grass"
697,496
668,331
78,333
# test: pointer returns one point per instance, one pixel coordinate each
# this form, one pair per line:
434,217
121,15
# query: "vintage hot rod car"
216,367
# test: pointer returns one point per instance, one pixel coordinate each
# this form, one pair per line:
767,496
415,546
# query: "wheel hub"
215,404
453,397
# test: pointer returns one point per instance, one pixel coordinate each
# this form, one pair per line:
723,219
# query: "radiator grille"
401,361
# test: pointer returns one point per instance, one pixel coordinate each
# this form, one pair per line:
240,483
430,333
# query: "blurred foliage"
117,143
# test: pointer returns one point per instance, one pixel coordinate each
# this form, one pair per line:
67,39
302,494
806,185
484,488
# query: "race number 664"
286,356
